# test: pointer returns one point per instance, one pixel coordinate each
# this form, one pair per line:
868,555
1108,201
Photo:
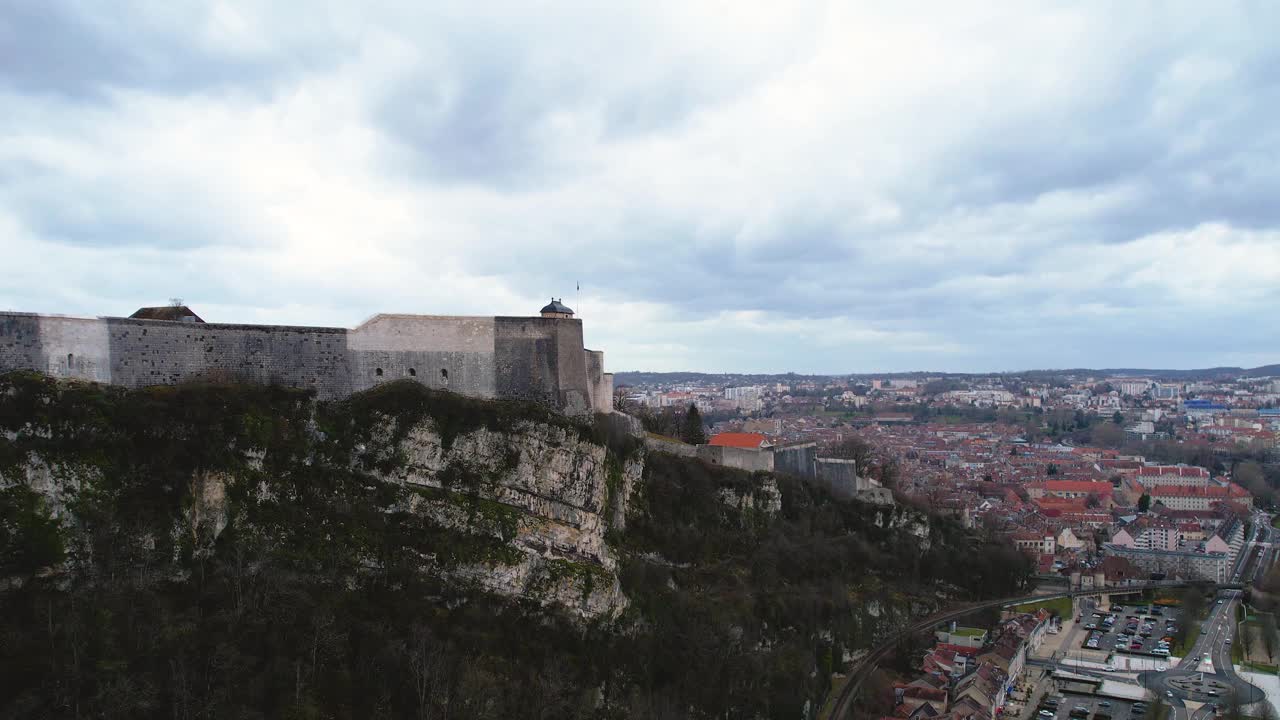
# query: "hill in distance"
639,377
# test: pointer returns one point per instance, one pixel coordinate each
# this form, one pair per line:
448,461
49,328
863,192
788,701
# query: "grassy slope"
1060,606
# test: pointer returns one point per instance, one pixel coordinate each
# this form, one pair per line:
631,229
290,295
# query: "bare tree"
856,449
1233,711
1269,635
429,664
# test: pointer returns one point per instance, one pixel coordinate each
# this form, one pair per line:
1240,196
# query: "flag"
579,285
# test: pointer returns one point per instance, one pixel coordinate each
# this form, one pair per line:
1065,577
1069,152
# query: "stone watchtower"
557,309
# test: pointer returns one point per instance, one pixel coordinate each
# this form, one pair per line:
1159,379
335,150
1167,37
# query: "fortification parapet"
540,359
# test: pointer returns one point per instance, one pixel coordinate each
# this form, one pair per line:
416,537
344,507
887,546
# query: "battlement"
539,359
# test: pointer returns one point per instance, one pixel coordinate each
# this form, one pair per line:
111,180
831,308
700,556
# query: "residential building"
1183,564
1185,475
1179,497
1129,386
1071,489
1067,540
1035,543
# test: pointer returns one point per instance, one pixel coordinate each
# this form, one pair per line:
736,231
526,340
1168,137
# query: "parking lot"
1088,707
1131,629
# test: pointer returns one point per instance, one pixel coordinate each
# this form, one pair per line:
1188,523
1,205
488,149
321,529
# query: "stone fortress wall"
538,359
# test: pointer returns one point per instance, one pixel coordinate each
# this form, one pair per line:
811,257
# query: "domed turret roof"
555,306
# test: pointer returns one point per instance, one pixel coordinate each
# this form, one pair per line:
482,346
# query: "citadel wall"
159,352
798,459
537,359
20,345
442,352
735,457
599,382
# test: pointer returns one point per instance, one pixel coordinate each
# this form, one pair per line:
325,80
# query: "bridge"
864,667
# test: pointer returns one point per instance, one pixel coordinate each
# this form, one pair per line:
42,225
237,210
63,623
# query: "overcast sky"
807,187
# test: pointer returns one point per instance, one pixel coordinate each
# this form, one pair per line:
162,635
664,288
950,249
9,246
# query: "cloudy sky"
851,187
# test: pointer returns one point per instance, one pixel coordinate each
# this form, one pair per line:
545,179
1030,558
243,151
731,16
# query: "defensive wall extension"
839,477
536,359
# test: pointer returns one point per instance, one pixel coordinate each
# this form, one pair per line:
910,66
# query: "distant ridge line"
630,376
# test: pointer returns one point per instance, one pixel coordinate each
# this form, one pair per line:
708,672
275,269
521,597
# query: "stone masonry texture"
527,358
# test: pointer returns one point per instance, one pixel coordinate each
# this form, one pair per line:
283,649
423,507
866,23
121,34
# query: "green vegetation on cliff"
229,551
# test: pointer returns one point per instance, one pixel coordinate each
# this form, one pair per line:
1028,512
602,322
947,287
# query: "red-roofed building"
1182,497
958,649
1069,489
1044,563
748,441
1182,475
921,691
1055,507
1035,543
1119,571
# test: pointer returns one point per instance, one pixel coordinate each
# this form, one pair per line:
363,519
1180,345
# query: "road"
1261,531
1206,674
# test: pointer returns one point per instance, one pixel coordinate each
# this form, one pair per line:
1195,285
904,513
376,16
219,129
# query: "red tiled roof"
1084,486
1231,490
1060,504
751,441
924,693
1179,470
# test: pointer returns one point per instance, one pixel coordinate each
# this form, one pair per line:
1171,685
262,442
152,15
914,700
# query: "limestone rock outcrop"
560,492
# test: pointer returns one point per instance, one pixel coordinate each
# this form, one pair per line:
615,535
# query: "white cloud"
738,187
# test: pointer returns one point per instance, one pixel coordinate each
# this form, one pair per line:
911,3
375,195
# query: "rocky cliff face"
552,497
539,492
407,552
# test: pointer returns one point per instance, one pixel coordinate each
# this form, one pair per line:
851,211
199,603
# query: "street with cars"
1206,674
1204,677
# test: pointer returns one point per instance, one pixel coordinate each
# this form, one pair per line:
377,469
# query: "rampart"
735,457
799,459
530,358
